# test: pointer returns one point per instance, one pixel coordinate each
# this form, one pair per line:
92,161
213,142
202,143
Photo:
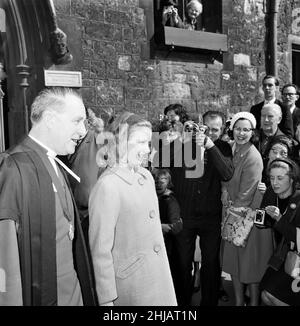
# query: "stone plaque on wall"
63,78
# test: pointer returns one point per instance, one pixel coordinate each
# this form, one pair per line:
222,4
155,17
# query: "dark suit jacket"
286,124
200,198
263,141
83,163
296,118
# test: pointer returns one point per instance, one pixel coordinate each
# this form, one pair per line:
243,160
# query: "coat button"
152,214
157,248
141,181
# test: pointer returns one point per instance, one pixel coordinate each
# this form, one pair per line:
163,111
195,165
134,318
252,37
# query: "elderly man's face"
270,118
68,126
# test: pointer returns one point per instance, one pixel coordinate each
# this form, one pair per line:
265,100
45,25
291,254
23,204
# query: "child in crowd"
171,221
169,210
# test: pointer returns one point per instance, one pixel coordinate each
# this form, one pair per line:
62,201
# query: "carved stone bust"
59,50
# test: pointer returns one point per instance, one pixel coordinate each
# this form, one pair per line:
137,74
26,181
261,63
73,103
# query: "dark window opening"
204,42
210,20
296,64
296,67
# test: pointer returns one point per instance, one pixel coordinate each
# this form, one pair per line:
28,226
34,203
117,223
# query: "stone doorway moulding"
29,26
292,41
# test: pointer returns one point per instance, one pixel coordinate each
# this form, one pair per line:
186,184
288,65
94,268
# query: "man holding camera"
170,15
199,197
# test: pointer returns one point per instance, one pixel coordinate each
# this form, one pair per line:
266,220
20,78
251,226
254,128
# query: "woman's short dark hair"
180,110
280,139
170,3
293,171
163,172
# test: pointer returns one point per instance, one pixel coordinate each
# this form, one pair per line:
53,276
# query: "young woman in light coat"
130,261
246,265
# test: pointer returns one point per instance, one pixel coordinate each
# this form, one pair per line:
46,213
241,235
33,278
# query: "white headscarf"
243,115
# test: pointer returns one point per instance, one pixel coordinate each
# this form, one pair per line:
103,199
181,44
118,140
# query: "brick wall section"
106,38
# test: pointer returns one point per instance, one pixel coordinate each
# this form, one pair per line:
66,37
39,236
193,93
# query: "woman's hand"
175,15
165,228
225,198
169,11
274,212
176,227
262,187
168,137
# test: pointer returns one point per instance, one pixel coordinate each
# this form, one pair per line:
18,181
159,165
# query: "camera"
191,126
165,124
259,218
194,128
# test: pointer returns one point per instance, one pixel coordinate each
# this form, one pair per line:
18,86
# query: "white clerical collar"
270,102
50,152
52,157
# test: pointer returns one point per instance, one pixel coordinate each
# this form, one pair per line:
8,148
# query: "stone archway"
25,53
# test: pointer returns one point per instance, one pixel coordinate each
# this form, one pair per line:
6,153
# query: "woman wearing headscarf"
246,265
127,246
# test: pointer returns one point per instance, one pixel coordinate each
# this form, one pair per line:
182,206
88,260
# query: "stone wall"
106,38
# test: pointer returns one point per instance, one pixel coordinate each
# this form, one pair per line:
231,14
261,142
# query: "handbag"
237,224
292,260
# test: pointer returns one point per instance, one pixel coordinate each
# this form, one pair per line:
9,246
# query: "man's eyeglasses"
282,153
242,129
288,94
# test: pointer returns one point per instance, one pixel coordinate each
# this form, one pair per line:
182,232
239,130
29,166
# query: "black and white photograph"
150,156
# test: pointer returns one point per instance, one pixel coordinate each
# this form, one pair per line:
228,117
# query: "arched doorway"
25,27
3,87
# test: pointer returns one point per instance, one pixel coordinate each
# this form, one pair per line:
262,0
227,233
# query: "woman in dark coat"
281,203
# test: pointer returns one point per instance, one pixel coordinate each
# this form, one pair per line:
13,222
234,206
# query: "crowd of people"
90,214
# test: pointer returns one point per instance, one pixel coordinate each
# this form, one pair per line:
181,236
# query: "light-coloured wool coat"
130,261
247,264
